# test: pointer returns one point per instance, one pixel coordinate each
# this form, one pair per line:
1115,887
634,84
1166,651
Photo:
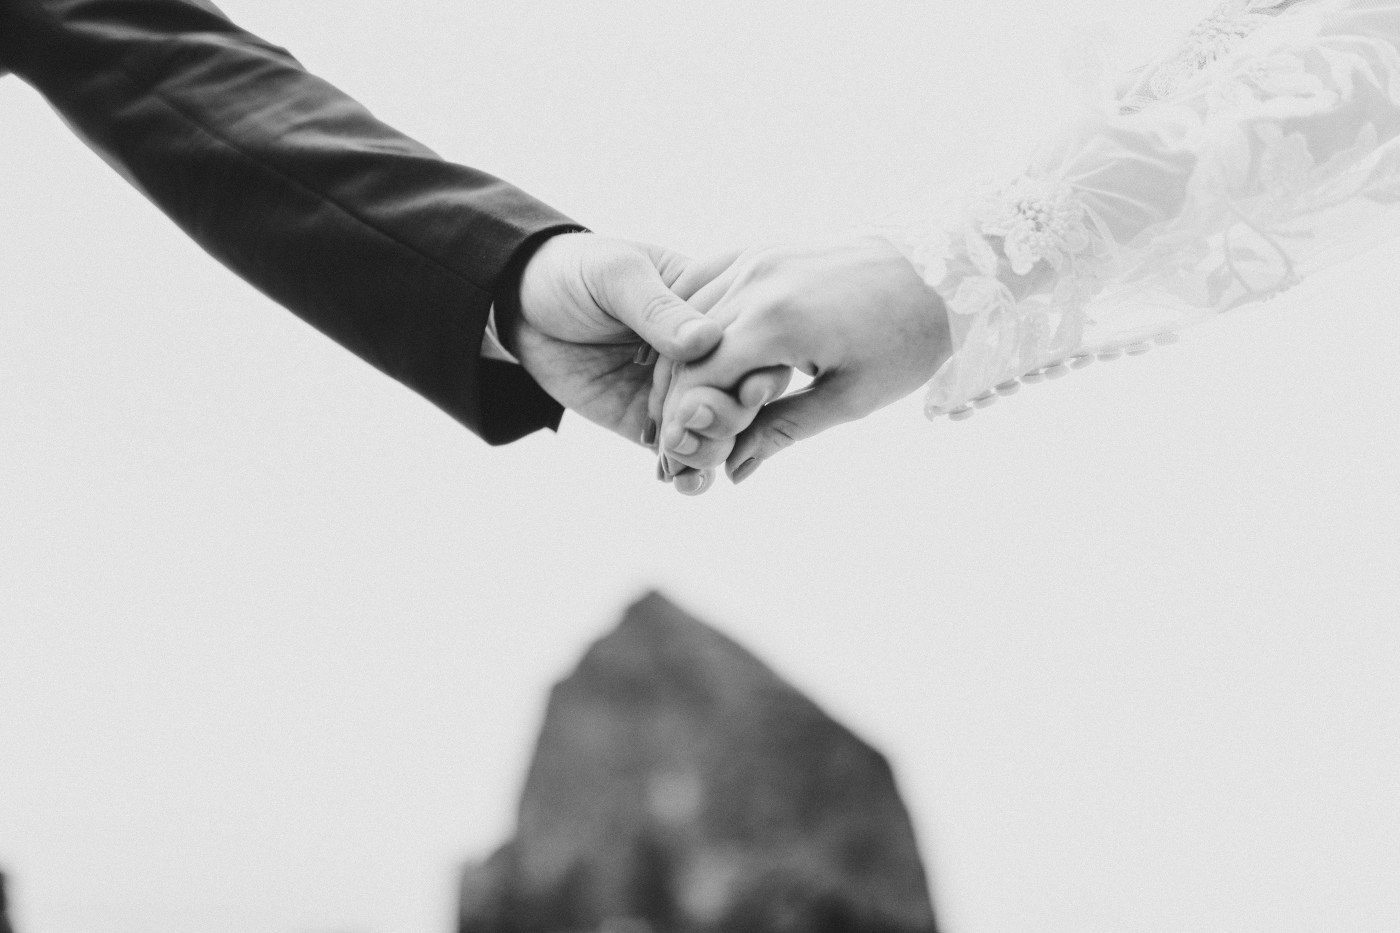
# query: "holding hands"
853,314
585,302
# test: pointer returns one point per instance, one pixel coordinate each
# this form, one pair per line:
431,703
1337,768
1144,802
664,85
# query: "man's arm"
364,233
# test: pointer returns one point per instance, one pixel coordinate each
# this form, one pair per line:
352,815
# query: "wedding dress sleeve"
1262,148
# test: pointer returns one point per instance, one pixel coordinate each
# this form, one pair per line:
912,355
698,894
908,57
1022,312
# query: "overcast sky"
275,634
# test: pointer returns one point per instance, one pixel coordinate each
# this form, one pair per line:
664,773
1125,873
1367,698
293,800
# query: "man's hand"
589,305
855,315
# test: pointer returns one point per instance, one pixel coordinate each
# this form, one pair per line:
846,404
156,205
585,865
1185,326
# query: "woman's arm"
1263,147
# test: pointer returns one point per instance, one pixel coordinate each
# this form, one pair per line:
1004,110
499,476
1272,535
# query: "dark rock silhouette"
4,908
680,786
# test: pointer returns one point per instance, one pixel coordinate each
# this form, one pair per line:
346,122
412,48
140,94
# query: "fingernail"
645,355
688,445
745,470
649,434
661,470
692,484
667,470
704,417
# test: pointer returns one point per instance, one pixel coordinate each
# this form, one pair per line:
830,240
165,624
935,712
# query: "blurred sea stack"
4,907
681,786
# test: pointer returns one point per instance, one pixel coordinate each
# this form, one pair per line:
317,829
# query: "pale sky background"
277,634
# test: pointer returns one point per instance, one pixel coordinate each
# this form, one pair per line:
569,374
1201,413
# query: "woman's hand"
854,315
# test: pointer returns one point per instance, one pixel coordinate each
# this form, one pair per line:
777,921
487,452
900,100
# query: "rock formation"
4,908
680,786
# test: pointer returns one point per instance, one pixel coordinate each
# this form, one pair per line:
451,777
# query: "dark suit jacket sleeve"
364,233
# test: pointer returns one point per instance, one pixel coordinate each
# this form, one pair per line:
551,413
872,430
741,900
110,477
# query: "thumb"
633,291
826,403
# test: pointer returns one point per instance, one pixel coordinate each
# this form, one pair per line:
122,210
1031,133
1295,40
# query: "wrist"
509,309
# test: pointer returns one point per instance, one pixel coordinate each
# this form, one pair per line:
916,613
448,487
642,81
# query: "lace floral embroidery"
1256,156
1211,40
1038,220
1029,222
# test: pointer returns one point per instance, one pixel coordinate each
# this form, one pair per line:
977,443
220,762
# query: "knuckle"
657,307
615,263
609,270
760,263
783,310
726,424
776,317
783,433
710,454
770,261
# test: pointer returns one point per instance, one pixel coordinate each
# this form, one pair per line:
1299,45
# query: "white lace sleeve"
1265,146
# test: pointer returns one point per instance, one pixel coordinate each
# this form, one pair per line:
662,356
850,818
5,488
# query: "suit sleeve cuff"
512,403
491,346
